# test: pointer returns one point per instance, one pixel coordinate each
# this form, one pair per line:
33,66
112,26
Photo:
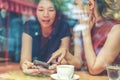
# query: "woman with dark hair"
101,40
40,39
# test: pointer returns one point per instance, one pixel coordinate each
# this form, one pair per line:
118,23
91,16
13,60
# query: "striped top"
99,35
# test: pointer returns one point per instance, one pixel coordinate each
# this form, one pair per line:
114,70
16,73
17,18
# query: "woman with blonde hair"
101,40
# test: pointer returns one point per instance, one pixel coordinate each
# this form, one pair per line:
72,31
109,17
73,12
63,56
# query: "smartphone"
41,63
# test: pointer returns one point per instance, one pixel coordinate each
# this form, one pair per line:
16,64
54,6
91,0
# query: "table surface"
13,72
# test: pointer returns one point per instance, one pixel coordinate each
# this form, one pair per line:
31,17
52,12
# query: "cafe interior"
13,14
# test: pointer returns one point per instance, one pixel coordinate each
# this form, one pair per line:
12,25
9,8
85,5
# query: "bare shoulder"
25,35
115,29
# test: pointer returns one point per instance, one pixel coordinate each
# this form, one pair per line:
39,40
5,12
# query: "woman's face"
46,13
91,4
91,8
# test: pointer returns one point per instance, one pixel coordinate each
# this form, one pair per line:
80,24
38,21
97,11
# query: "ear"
92,4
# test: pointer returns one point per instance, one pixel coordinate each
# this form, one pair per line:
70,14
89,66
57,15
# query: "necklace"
99,23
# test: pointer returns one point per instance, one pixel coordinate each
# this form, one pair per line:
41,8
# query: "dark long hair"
59,15
57,8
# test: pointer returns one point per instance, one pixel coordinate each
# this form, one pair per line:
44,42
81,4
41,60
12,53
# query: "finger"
35,73
52,66
46,71
55,61
52,71
35,67
61,58
27,64
43,70
30,71
53,57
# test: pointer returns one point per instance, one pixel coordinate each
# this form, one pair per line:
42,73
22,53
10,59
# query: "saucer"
55,76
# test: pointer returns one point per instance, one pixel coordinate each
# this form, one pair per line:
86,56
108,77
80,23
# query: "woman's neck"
99,21
96,13
46,32
98,16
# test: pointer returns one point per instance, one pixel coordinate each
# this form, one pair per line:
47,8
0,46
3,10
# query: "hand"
87,16
29,68
59,54
53,67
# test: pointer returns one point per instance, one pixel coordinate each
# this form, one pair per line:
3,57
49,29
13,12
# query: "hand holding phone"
41,63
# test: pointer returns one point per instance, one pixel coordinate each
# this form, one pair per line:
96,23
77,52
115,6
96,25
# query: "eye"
89,4
51,10
40,9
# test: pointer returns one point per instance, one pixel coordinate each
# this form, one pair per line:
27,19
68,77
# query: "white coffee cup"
65,72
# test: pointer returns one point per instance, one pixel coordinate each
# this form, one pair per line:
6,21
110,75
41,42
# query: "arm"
63,53
64,47
65,43
26,51
60,53
26,56
76,60
110,50
73,60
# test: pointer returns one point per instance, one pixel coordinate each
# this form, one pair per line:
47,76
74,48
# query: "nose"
46,13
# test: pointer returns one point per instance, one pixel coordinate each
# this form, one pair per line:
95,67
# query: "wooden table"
14,73
86,76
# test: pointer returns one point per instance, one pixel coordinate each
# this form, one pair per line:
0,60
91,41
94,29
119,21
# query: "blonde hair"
112,10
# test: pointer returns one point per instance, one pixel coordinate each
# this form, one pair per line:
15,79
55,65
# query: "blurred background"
13,15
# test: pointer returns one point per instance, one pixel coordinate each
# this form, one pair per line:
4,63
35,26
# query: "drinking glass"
113,72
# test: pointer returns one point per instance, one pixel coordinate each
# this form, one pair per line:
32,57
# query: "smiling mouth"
46,21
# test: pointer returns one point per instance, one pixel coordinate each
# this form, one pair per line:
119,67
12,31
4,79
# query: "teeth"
46,20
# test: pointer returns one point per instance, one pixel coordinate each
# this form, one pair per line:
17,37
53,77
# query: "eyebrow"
51,7
48,7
